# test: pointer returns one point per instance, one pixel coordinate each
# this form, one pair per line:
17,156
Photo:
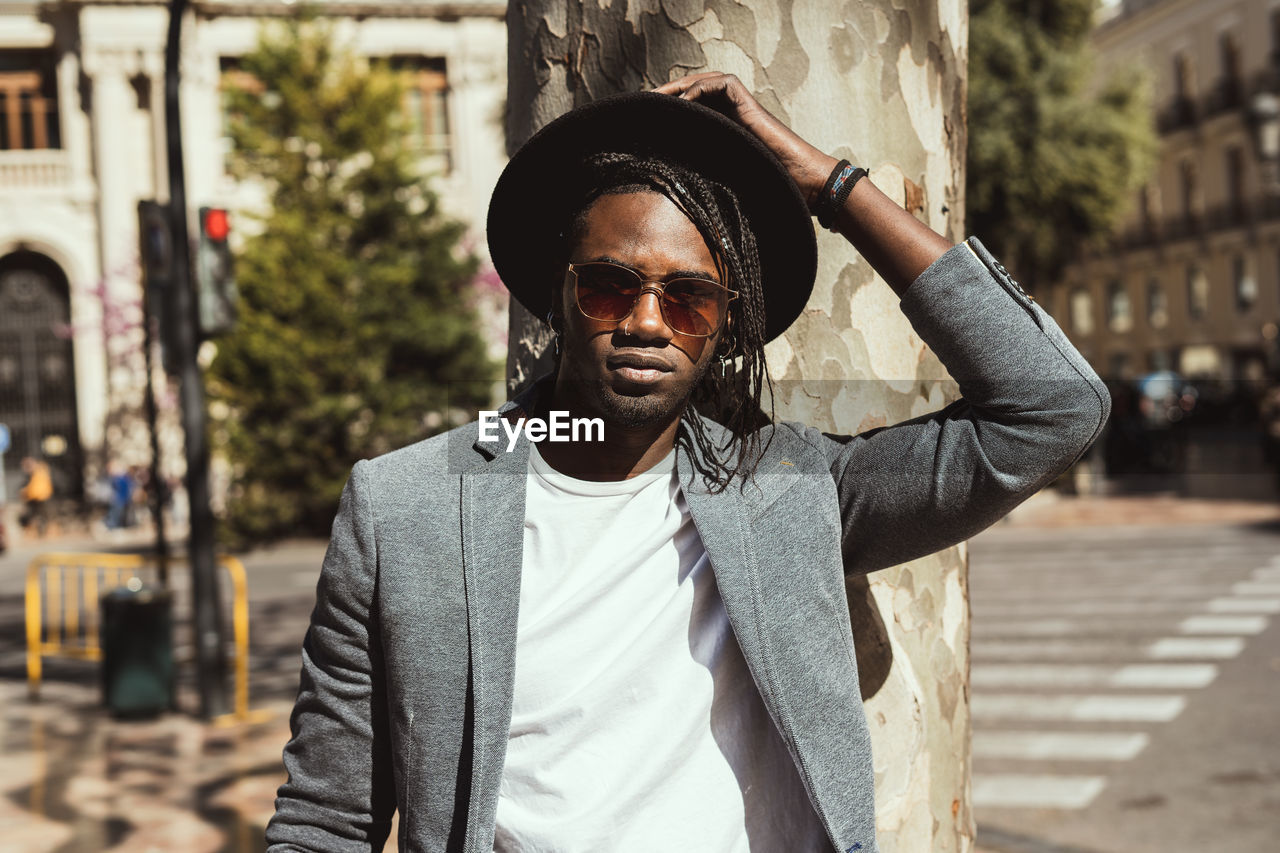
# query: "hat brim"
544,182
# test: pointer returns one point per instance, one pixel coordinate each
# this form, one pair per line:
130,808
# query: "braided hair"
733,399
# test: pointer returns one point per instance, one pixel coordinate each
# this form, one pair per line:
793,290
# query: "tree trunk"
885,88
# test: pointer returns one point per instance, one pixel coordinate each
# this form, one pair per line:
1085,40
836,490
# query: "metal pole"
211,662
158,486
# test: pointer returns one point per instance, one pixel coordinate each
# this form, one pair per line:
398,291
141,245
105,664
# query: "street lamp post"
1264,120
211,663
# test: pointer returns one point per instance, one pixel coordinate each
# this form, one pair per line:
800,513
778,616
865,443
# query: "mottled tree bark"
880,82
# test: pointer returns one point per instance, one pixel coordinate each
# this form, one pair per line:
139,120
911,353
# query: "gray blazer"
408,666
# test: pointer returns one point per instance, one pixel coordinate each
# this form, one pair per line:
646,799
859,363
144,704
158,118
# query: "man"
642,643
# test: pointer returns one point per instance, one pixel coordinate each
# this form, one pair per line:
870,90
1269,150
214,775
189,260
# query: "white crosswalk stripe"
1223,625
1080,653
1062,792
1113,708
1059,746
1121,608
1256,588
1165,676
1165,648
1244,605
1196,647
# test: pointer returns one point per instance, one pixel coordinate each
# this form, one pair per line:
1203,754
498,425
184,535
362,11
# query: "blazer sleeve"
1030,407
340,792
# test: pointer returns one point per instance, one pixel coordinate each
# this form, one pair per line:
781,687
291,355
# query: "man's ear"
727,342
555,314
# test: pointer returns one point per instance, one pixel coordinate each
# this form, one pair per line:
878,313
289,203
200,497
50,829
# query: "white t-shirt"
636,725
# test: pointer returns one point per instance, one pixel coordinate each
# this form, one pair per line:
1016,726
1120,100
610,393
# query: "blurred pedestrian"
36,494
1269,422
122,487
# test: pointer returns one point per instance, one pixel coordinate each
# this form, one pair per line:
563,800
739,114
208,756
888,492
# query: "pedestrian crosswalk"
1082,648
1159,675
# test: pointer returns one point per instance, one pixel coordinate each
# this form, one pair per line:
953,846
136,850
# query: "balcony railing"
1172,229
1180,112
1228,94
32,170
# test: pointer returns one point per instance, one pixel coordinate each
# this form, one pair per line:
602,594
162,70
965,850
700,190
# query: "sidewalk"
77,781
1050,509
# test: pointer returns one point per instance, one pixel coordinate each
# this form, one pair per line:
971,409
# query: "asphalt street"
1125,688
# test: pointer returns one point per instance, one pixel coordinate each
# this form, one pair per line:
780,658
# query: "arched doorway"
37,375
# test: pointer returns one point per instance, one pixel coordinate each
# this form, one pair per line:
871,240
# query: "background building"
1191,282
82,141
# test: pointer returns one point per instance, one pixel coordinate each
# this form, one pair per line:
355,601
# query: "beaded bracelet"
836,191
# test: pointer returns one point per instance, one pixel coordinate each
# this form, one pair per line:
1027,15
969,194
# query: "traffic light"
155,243
215,278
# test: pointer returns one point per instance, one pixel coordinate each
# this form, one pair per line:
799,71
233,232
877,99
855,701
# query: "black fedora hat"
542,184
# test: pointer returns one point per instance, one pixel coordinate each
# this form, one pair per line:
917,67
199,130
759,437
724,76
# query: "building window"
1081,311
1159,359
1200,361
1229,57
426,107
1235,184
1144,210
1187,177
1244,282
1197,292
1119,309
1157,305
1182,86
1121,366
1275,38
28,101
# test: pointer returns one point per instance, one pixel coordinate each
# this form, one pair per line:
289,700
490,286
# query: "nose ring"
646,288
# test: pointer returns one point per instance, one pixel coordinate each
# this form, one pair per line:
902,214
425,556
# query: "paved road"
1126,682
1126,689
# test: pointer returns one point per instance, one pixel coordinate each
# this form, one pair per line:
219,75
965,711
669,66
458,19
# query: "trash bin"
137,650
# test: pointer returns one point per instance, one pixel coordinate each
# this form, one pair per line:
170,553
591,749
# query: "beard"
631,411
639,411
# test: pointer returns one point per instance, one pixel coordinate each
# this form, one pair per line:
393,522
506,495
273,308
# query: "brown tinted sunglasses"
607,292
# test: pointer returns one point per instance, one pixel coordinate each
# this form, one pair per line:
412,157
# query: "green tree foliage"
355,335
1056,154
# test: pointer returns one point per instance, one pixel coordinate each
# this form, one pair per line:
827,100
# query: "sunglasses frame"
654,286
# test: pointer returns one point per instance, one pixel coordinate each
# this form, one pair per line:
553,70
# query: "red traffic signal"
215,225
214,273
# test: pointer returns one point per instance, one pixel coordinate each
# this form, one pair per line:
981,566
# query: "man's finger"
720,87
678,85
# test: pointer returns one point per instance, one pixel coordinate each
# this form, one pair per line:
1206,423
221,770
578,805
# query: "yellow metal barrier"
62,599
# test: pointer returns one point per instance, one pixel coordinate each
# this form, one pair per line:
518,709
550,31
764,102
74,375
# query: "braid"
735,399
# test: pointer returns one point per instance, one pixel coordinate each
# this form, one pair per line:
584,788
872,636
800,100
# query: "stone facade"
82,98
1191,281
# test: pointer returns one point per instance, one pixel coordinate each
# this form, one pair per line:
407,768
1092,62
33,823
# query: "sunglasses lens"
694,306
691,306
606,292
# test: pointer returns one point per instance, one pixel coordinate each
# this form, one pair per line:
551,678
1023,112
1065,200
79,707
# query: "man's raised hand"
808,166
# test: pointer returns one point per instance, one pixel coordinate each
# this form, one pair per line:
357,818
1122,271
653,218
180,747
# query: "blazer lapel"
721,519
493,501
